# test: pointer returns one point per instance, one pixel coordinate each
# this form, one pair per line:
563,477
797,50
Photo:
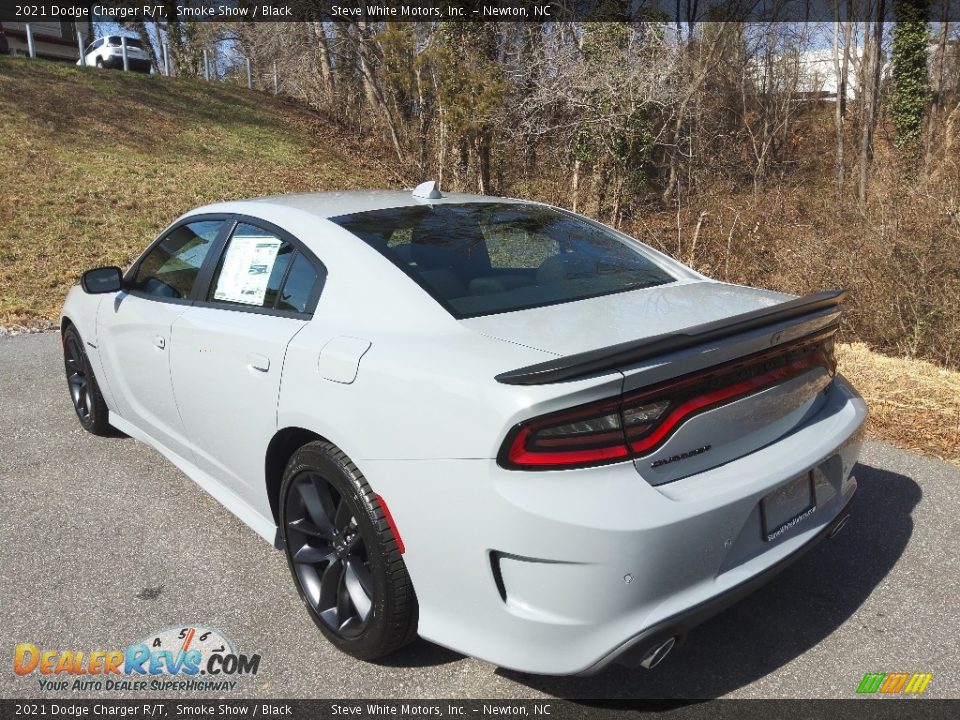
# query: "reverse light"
639,422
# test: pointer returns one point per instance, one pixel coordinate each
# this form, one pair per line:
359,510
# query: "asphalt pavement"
103,542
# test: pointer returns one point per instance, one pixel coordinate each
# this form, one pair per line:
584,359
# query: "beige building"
51,40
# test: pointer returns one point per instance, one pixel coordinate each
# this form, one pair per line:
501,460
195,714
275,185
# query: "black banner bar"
546,709
540,11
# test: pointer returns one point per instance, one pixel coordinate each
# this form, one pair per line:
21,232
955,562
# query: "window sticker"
246,269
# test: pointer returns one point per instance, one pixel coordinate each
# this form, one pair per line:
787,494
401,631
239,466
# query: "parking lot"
103,543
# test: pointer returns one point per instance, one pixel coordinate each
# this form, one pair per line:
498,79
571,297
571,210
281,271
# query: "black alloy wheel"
88,403
329,556
343,554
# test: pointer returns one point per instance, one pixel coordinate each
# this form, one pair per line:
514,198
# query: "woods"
797,155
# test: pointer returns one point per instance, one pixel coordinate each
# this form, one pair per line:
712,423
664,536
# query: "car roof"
333,204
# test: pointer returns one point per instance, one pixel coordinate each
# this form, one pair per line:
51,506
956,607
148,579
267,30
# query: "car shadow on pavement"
418,654
779,622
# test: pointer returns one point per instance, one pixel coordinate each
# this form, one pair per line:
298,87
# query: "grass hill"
94,163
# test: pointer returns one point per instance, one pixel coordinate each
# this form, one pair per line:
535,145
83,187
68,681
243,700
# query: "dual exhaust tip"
841,523
658,653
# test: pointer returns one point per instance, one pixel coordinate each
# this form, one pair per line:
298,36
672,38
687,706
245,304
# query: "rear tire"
343,555
88,403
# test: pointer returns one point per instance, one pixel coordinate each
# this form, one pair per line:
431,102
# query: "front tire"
343,555
88,403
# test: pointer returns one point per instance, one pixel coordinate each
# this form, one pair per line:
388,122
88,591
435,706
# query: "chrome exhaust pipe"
657,655
838,527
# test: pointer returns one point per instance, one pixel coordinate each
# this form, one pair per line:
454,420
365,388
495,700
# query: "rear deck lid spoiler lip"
578,365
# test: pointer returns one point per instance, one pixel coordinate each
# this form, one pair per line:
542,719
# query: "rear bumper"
135,64
637,647
561,572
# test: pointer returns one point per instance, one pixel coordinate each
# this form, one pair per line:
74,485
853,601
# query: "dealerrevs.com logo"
178,659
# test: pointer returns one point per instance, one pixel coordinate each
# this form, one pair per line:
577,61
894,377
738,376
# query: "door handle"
256,361
159,342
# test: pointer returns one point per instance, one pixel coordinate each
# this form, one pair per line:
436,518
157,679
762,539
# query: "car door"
134,329
228,351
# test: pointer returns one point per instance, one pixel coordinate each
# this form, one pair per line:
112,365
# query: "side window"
171,268
259,269
299,286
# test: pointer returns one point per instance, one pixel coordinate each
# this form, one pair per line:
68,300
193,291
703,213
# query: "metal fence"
165,66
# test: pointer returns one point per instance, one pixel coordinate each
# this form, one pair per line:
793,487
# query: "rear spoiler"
579,365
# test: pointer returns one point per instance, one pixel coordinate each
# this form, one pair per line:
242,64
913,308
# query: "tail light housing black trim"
639,422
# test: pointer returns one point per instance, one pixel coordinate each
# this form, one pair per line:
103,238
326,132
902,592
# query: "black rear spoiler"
579,365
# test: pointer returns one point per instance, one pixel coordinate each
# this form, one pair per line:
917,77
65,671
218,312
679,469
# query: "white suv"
108,52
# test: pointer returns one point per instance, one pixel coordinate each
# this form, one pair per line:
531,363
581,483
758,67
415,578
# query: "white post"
123,49
83,60
31,50
276,84
249,75
206,67
166,59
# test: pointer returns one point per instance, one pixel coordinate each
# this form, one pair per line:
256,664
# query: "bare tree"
872,69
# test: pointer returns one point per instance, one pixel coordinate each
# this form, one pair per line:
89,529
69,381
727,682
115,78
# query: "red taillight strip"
517,455
699,403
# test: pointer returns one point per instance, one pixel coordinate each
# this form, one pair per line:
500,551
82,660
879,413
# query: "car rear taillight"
641,421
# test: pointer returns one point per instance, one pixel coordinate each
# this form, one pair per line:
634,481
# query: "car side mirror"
102,280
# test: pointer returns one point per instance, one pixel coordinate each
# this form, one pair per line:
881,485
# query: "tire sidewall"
71,335
351,487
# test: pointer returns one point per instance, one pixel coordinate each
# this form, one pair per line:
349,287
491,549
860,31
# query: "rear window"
114,41
485,258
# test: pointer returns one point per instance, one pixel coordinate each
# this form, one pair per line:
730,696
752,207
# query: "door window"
171,268
259,269
299,286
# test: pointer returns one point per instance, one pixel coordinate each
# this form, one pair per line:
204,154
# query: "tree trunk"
708,65
840,68
484,138
872,96
374,96
575,185
323,56
938,83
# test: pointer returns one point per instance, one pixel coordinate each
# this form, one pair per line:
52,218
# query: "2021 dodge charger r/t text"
496,424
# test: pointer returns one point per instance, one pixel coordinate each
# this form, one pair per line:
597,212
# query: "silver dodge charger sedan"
494,423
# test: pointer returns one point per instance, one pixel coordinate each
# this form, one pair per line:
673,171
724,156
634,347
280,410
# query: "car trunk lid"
712,372
599,322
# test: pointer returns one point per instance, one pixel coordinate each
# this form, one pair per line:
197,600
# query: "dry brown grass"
77,192
93,164
913,403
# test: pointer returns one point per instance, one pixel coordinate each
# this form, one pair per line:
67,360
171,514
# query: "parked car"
4,43
108,52
515,431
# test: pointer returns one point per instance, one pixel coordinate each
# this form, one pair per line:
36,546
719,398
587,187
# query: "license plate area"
787,506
